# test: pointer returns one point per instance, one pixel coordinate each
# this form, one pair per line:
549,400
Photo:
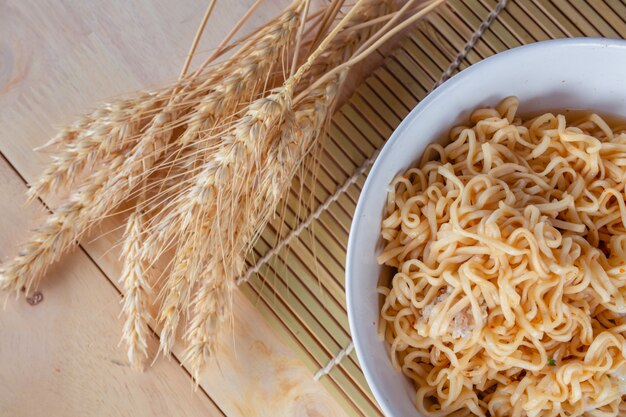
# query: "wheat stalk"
209,158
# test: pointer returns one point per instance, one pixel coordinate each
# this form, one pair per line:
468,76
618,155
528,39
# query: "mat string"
361,170
454,65
334,361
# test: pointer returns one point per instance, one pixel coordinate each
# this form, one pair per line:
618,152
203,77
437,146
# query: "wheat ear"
210,306
136,290
115,128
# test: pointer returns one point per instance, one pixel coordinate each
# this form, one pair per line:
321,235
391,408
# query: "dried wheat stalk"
206,162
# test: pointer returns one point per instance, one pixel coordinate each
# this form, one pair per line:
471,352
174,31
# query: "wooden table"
61,357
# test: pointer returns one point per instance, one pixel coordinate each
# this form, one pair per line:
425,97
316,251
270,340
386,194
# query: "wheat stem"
294,60
382,38
221,47
196,39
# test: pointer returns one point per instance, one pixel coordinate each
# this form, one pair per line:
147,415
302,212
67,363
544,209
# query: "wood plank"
93,51
61,357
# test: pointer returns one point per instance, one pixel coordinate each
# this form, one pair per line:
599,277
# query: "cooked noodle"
509,252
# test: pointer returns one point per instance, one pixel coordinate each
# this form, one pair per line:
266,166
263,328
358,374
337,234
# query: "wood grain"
59,59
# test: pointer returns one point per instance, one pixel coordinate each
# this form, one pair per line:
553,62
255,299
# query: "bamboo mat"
300,289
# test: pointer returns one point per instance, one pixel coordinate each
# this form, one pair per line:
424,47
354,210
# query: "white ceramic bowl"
571,73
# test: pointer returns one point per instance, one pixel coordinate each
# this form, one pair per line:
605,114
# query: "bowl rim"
351,257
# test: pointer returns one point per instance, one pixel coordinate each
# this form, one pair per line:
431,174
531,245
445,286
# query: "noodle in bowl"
504,248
